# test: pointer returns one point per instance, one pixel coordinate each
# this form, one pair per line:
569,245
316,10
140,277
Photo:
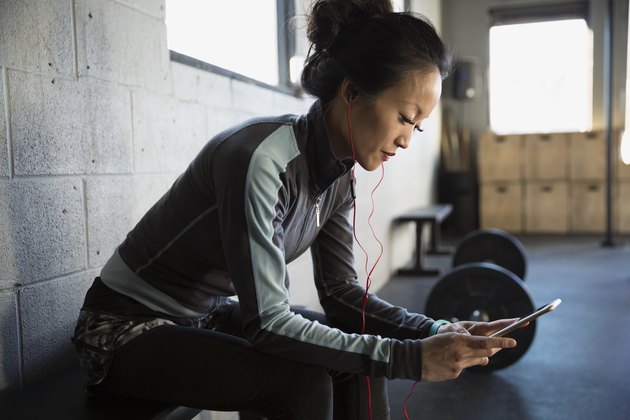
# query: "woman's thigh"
212,370
353,397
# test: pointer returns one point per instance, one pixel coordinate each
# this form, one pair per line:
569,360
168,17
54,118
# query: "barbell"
494,246
483,287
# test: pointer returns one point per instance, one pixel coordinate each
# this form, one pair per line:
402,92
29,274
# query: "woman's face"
382,125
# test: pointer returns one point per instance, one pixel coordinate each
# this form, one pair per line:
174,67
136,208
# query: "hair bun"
328,17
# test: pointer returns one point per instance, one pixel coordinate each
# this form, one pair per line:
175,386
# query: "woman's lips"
387,155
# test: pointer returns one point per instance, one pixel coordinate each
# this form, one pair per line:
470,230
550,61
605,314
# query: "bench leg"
418,268
435,242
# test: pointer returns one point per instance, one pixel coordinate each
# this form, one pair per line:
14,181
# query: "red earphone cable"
368,281
407,398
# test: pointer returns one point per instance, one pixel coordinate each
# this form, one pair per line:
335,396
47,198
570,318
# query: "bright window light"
540,77
625,147
399,5
625,138
241,36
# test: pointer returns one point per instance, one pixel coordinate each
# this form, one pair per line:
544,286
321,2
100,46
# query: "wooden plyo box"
587,156
587,206
501,206
546,156
546,204
500,158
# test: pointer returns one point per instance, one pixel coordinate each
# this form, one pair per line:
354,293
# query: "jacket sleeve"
249,208
340,293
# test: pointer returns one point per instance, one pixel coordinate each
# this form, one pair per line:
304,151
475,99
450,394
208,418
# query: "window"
540,75
241,36
624,149
250,38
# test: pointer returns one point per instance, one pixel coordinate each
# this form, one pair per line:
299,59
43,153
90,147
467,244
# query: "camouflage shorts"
98,336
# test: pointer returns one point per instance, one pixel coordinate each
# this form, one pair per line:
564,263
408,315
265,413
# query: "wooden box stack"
587,171
545,183
550,183
500,172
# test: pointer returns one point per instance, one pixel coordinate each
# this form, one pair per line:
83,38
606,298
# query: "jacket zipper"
318,201
317,210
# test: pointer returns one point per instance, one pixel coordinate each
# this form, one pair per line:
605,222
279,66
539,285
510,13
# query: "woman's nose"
402,140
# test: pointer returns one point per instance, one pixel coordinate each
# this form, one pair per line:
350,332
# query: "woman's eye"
407,120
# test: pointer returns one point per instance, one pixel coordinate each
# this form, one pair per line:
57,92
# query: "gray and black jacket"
255,198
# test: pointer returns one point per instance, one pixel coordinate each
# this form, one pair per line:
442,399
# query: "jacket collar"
324,167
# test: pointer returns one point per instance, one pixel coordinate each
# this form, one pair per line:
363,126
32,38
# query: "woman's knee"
310,381
307,392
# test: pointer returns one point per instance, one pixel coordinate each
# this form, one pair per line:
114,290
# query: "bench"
432,215
63,396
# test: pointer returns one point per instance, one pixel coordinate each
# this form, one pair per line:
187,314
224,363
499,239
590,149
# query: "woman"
159,324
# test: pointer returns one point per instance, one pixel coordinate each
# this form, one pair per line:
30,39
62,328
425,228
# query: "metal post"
608,113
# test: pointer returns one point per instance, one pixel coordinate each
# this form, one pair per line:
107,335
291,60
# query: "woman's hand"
446,354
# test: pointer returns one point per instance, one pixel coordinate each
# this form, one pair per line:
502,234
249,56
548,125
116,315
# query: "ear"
349,91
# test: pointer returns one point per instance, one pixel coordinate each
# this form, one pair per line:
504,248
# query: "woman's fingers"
479,361
457,327
482,342
444,356
487,328
487,347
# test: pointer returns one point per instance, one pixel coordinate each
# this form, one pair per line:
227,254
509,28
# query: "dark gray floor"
578,366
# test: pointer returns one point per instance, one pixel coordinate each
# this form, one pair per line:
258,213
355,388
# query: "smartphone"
539,312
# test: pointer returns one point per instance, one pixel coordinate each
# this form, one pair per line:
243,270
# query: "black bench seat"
433,215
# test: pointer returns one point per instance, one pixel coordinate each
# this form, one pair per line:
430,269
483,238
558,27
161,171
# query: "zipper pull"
319,199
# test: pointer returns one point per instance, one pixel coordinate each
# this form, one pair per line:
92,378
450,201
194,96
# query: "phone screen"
537,313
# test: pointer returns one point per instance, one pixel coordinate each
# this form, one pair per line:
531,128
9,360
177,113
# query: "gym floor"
578,366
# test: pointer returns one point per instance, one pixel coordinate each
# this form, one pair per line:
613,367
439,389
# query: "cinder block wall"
96,122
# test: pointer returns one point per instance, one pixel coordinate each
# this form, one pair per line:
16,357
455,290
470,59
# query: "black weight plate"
490,289
494,246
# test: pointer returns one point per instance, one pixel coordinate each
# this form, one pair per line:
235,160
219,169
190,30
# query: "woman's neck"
336,120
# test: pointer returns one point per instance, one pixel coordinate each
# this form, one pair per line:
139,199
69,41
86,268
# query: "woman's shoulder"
257,127
269,136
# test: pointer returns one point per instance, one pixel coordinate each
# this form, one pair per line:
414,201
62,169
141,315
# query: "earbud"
352,94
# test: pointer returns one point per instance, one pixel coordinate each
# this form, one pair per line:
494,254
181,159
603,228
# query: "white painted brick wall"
43,225
65,126
155,8
36,36
302,290
285,104
206,88
168,133
9,339
219,119
49,312
4,153
251,98
121,44
114,206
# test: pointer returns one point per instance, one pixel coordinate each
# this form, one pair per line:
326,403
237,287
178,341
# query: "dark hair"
366,42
